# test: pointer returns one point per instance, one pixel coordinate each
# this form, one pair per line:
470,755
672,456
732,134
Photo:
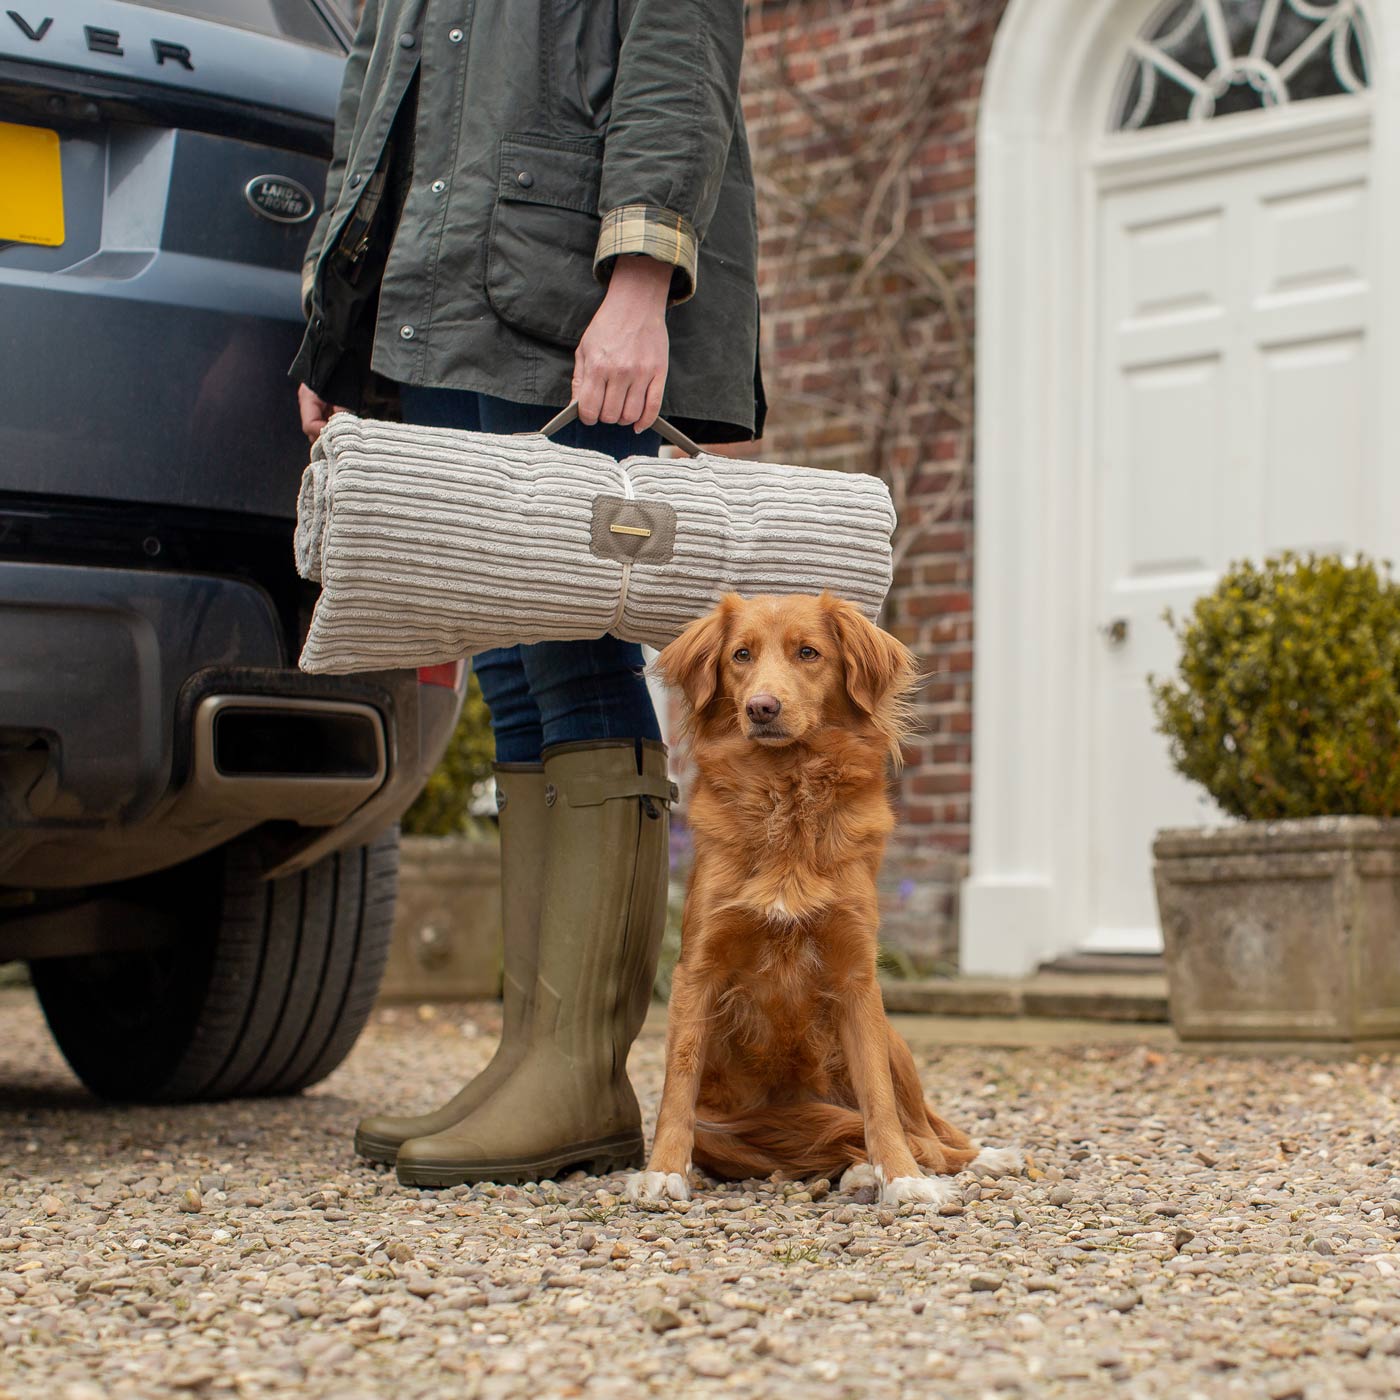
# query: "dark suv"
198,844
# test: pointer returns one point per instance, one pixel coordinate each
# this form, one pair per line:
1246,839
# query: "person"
529,203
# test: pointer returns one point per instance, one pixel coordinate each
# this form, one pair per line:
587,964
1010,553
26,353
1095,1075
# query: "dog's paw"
862,1177
998,1161
930,1191
656,1188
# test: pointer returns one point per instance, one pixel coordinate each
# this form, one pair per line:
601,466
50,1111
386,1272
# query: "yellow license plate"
31,186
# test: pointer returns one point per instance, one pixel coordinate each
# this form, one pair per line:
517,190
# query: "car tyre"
266,995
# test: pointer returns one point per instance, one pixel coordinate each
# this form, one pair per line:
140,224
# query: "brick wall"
862,120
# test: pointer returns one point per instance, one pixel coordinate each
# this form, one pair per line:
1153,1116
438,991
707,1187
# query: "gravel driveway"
1193,1227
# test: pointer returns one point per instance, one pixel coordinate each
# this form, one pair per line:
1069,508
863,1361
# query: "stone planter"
1283,931
447,929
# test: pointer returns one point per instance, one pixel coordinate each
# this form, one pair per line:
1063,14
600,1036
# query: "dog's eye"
742,654
809,653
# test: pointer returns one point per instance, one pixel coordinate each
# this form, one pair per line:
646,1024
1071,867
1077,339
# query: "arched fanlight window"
1199,59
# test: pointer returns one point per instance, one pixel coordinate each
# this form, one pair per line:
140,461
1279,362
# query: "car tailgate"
145,356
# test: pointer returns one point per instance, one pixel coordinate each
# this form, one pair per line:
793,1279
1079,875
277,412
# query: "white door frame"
1043,152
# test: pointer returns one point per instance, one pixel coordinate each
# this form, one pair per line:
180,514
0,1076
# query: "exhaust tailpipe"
273,758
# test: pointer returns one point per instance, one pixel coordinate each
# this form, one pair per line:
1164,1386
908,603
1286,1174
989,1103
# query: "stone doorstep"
1127,997
926,1035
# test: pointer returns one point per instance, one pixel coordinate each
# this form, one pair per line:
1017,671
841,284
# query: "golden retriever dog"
779,1056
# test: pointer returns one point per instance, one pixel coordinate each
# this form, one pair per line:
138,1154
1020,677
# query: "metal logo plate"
279,198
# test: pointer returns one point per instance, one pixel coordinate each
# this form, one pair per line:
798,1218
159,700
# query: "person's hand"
620,365
315,412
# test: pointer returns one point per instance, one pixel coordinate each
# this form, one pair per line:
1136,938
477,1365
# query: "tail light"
447,674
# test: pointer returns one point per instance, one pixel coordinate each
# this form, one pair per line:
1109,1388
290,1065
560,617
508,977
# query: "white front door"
1234,419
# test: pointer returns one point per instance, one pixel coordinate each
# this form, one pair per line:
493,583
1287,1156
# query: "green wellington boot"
520,802
567,1101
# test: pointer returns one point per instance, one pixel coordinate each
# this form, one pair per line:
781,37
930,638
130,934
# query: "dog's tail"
796,1140
814,1139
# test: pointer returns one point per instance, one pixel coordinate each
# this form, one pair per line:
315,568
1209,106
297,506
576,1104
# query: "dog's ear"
692,661
881,672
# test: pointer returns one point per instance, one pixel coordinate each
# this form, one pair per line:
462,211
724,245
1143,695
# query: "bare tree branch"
855,207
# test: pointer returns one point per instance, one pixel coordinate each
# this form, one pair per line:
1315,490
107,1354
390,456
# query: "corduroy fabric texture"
431,544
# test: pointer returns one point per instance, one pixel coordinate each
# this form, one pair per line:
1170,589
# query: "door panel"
1175,265
1233,421
1172,414
1314,443
1311,242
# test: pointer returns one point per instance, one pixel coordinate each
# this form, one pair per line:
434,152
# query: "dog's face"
778,670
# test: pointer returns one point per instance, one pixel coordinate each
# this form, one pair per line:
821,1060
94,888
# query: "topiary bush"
1286,701
443,808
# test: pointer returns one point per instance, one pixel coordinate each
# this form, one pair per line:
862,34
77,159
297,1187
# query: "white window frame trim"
1147,50
1044,155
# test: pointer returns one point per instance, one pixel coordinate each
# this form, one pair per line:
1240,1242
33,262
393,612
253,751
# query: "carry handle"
565,416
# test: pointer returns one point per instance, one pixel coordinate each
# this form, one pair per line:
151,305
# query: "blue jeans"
551,692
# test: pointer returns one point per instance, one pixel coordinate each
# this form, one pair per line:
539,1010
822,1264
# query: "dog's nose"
763,709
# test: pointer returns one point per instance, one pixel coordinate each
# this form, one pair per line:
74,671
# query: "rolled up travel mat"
432,544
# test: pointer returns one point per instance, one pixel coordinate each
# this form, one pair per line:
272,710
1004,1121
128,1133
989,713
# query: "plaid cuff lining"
656,233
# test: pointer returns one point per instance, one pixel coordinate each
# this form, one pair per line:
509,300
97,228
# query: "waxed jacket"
493,157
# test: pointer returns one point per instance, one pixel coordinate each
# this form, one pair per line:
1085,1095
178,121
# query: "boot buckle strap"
591,792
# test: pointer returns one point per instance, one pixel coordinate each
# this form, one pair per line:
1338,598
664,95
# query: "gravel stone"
710,1361
662,1319
307,1274
1026,1327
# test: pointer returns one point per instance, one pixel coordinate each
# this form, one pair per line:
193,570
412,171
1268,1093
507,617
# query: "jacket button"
455,35
438,186
524,179
407,41
355,180
406,332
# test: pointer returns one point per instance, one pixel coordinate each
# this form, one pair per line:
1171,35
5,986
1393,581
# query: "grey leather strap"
674,436
633,531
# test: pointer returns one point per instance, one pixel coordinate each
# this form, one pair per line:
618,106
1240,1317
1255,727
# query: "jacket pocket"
544,232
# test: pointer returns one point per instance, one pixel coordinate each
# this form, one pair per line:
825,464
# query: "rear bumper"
146,717
95,660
